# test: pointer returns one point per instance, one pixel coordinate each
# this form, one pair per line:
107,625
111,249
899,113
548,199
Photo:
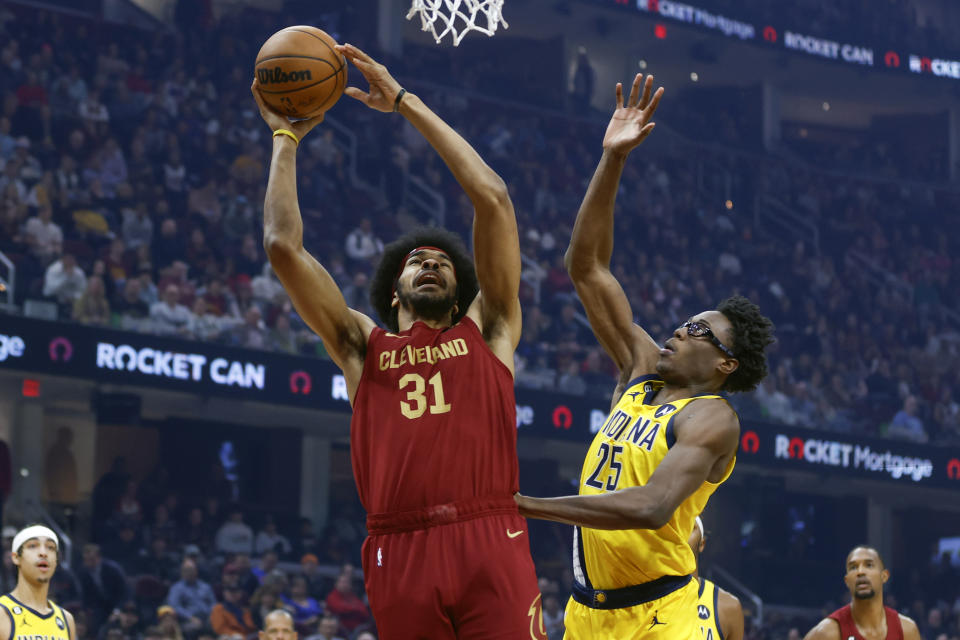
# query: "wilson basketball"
300,73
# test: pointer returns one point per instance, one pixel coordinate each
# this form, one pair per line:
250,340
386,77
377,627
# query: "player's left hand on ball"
383,88
276,120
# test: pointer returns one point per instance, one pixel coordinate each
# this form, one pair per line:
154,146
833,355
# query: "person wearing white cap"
719,611
35,552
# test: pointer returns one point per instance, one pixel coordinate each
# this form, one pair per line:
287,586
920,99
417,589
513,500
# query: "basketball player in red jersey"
865,618
433,435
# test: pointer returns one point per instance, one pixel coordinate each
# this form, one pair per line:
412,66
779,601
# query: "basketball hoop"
446,15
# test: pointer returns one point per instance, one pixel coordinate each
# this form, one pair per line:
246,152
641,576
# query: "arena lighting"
660,32
31,388
826,106
694,77
642,64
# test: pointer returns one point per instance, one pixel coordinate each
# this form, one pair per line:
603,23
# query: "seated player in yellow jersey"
719,611
670,438
27,613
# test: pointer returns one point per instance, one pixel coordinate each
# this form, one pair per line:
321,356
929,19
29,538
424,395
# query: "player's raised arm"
311,288
591,246
496,240
707,439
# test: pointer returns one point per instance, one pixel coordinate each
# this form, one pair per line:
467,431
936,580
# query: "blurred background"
165,409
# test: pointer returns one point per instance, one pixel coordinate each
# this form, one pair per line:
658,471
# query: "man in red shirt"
865,616
434,434
347,605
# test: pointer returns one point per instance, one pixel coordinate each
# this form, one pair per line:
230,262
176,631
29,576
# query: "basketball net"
441,17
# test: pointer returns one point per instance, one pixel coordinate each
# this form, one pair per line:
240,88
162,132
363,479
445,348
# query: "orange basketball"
300,73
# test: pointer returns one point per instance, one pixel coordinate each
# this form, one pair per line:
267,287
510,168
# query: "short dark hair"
868,548
752,332
385,278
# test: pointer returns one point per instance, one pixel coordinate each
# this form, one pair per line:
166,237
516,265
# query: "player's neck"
405,320
33,595
868,614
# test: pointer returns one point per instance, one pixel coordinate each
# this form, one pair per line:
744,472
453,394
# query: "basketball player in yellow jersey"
670,438
719,611
27,613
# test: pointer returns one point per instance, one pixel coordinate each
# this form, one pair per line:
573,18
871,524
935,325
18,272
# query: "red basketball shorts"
458,571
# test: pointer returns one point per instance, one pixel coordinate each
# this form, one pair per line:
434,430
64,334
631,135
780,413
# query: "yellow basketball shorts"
670,617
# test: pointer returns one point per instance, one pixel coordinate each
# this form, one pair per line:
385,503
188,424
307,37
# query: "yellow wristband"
287,132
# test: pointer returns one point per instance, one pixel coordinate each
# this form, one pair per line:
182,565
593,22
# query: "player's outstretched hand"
277,120
630,124
383,88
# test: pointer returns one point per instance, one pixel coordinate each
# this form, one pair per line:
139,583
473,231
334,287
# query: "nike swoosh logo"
513,534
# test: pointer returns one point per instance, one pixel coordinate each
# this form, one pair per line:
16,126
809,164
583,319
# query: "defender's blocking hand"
630,124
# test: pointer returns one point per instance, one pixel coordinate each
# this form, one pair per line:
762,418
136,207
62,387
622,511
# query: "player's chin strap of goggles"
36,531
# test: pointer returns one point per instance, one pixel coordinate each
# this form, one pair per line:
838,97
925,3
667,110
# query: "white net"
458,17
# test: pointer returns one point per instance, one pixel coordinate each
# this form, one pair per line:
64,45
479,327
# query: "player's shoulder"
710,416
910,628
826,629
728,601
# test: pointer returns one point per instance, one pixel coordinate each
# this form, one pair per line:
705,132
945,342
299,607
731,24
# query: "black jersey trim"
53,609
703,584
583,559
716,611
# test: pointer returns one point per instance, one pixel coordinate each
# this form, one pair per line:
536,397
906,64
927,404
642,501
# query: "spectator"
327,629
158,561
230,619
251,333
268,562
44,236
198,531
93,113
269,540
192,599
263,601
362,245
906,424
92,306
246,577
309,568
344,603
170,317
168,623
266,288
553,617
64,281
306,611
234,536
137,226
206,326
130,306
283,337
103,583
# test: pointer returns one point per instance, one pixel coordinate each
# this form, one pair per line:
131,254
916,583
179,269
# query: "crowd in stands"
132,195
131,186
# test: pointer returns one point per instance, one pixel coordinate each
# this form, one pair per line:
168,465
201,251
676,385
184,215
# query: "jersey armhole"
13,625
716,610
66,621
474,328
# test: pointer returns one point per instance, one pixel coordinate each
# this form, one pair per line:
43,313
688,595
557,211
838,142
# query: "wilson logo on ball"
277,75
